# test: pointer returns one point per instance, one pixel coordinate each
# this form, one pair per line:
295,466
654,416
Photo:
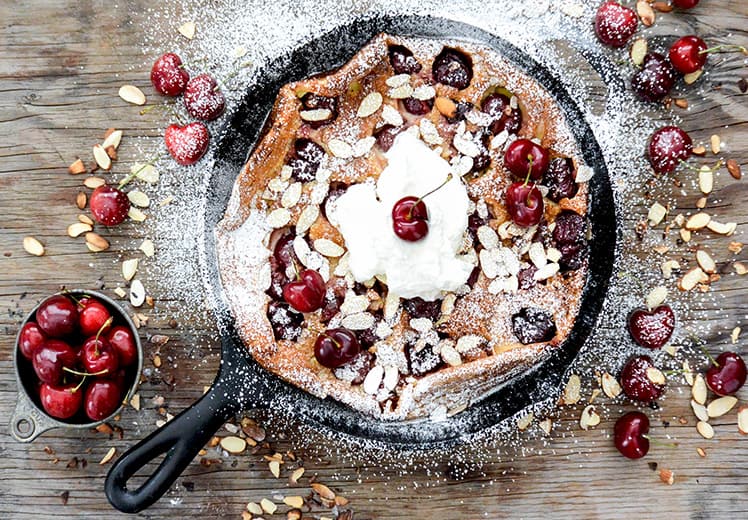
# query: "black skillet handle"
180,439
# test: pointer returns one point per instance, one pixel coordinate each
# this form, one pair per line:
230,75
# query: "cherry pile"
78,357
202,98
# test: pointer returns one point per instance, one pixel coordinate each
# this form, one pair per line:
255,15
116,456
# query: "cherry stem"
168,107
335,342
417,202
224,82
676,371
698,169
79,385
708,355
106,324
529,170
85,374
124,182
660,443
725,48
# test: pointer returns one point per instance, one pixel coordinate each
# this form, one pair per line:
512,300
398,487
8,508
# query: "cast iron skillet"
242,384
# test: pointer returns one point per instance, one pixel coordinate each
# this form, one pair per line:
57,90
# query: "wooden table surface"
61,63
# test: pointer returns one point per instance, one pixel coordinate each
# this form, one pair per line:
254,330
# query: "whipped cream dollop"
363,214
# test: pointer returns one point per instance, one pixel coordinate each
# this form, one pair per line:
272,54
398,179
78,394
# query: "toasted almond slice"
740,268
692,278
715,143
97,241
572,390
705,261
698,221
137,293
370,104
706,180
721,406
610,385
274,467
148,248
698,391
691,77
77,229
734,168
699,150
645,12
108,456
233,444
705,429
687,373
681,102
524,422
546,425
93,182
81,199
667,476
722,229
445,106
743,420
294,501
638,51
655,375
187,30
255,508
656,296
77,168
132,94
85,219
32,246
701,203
657,212
268,506
113,140
323,491
589,418
139,198
129,268
734,335
135,401
296,475
699,410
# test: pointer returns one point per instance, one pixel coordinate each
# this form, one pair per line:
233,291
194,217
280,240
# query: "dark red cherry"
286,324
103,397
685,4
187,144
30,338
560,179
420,308
668,146
98,356
93,317
336,347
61,402
203,98
655,79
385,136
533,325
652,329
122,341
50,358
57,316
109,205
636,381
418,107
452,67
524,202
168,75
307,156
687,55
615,24
571,228
402,60
727,376
521,154
307,294
630,435
504,117
410,219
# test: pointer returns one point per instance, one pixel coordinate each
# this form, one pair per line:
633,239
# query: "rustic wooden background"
61,63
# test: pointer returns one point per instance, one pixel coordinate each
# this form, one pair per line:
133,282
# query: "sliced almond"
657,212
706,180
698,391
81,199
705,429
113,140
734,335
32,246
638,51
645,12
129,268
691,77
668,266
187,30
698,221
572,390
137,293
77,168
255,508
340,149
77,229
294,501
136,215
546,425
705,261
525,421
589,418
715,143
687,373
663,7
721,406
296,475
93,182
655,375
692,278
743,420
699,410
97,241
132,94
139,198
610,385
233,444
318,114
85,219
722,229
699,149
685,235
740,268
656,296
268,506
681,102
274,467
734,168
370,104
148,248
701,203
108,456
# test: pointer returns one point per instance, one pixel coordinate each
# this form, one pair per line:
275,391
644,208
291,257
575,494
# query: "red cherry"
203,99
121,339
61,402
93,317
57,316
727,376
630,435
103,397
635,380
307,294
336,347
524,202
615,24
686,54
98,356
30,338
168,75
652,329
50,358
668,146
187,144
521,153
685,4
655,78
410,219
109,205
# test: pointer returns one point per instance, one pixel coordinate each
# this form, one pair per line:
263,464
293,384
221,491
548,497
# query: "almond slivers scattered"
132,94
32,246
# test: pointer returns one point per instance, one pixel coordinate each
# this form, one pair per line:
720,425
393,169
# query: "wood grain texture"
61,63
